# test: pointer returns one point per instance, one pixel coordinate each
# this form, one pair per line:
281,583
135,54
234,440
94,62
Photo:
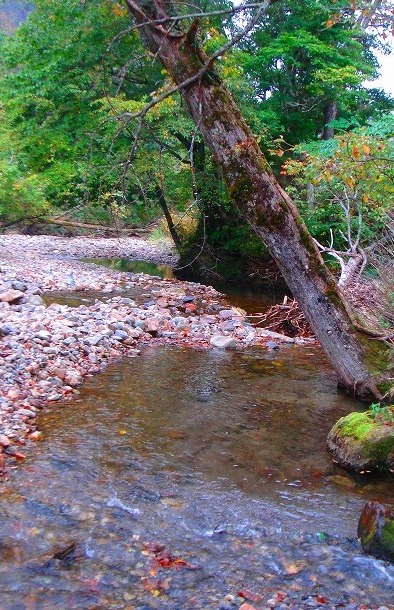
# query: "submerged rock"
362,443
376,530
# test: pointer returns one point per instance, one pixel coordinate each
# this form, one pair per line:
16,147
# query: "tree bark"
266,207
170,223
330,114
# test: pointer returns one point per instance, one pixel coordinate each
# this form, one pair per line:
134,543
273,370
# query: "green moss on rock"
376,530
361,442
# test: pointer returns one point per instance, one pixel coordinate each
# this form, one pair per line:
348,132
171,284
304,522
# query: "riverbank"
48,348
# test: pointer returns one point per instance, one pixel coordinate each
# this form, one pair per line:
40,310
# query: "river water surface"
181,477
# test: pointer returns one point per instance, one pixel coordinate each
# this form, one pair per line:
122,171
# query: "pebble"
223,342
26,413
4,440
11,296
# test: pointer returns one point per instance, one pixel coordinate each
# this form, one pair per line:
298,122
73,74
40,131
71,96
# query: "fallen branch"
82,225
286,319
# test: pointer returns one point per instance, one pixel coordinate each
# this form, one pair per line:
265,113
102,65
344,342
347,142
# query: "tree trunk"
263,203
170,223
330,114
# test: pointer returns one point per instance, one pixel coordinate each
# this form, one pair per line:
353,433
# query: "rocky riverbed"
47,349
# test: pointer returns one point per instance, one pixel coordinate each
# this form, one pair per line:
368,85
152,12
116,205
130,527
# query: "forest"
77,137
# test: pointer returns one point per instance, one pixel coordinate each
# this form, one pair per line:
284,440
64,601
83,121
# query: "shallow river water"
181,477
187,480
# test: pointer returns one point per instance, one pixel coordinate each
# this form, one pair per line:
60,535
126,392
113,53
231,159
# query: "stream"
192,479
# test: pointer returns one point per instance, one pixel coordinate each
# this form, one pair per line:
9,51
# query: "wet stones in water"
376,530
70,553
142,494
63,557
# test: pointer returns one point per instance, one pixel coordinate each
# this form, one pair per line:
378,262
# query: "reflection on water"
132,266
202,451
252,300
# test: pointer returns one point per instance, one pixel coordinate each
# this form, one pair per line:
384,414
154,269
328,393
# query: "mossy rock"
360,442
376,530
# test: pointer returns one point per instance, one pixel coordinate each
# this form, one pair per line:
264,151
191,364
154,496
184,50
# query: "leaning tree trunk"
263,203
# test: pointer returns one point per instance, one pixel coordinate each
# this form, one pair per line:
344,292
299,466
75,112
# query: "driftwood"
286,319
105,228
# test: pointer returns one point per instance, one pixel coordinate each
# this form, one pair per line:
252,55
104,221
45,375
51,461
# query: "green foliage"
75,77
382,413
306,56
344,180
21,192
57,66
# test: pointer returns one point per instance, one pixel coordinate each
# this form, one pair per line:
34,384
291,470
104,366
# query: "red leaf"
321,599
249,595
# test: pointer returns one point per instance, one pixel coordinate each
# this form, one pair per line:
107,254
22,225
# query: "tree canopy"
74,76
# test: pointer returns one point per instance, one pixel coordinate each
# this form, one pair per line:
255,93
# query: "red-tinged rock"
72,377
280,596
249,595
247,607
59,372
4,440
152,327
162,302
19,456
321,600
11,296
36,436
376,530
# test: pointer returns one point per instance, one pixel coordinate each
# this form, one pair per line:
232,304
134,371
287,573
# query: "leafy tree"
308,61
55,80
345,180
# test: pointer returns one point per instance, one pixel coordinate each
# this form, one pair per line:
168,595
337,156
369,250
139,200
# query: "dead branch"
286,319
82,225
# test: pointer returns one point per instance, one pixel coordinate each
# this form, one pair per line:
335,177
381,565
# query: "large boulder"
376,530
362,442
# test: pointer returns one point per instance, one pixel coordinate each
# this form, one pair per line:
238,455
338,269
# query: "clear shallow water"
220,458
240,296
132,266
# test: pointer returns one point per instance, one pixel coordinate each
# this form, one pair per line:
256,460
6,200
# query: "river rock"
361,443
223,342
4,440
226,314
264,332
180,323
152,327
17,285
43,335
27,413
72,377
120,335
36,300
376,530
11,296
